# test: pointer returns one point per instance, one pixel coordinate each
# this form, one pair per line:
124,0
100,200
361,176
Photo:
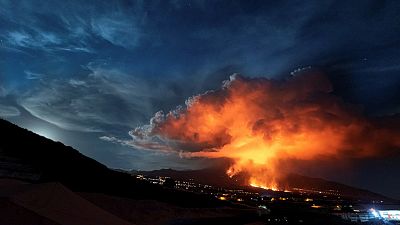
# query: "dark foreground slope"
23,203
48,203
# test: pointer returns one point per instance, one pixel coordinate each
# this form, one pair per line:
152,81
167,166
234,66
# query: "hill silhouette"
27,156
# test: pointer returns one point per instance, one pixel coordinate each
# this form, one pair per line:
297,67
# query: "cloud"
102,99
8,111
18,38
109,139
3,91
24,39
39,39
118,30
33,76
76,83
63,26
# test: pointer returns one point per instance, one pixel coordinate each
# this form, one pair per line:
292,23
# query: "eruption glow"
260,122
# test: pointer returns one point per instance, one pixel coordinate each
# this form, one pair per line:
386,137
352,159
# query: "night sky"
79,71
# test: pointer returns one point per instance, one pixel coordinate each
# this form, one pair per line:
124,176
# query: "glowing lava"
264,187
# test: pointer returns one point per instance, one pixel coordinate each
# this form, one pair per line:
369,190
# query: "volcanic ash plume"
258,123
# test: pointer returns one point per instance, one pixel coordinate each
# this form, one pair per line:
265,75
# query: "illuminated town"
354,211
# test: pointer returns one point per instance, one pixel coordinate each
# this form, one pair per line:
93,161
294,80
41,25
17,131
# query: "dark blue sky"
75,71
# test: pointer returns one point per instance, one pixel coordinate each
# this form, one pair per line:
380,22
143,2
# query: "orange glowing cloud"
259,122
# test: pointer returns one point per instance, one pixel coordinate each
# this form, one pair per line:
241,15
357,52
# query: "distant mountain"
311,183
216,176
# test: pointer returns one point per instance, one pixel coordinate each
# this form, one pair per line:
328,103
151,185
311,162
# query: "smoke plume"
258,122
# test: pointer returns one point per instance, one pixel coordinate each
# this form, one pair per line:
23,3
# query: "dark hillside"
28,156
